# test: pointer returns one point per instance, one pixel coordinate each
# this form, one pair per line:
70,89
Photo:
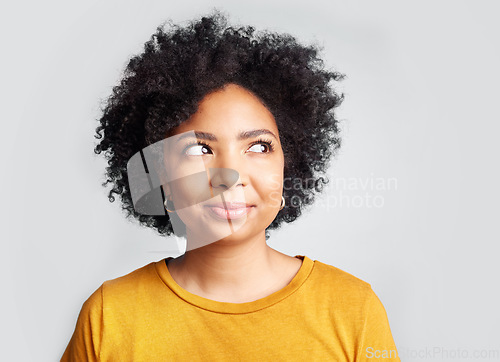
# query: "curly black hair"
162,87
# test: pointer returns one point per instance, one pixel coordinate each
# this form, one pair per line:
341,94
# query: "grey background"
420,140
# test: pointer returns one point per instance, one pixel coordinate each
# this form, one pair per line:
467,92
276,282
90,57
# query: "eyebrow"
242,136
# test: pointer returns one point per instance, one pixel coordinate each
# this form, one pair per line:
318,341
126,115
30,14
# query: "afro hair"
162,87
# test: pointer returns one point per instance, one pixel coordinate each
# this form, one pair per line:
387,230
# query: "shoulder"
128,284
330,277
349,300
342,291
135,276
129,287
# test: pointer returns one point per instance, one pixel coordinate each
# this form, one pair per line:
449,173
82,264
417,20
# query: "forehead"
228,111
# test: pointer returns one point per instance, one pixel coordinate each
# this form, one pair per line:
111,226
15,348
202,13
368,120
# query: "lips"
229,210
230,205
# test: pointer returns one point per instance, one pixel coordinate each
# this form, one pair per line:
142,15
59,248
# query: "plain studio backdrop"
412,204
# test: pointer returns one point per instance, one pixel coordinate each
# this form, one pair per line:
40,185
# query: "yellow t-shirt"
323,314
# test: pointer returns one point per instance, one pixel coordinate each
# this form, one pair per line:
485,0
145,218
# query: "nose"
228,171
223,178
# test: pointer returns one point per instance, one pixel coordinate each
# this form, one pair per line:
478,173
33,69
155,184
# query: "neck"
237,272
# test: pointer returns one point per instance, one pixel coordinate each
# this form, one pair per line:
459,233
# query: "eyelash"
269,144
195,143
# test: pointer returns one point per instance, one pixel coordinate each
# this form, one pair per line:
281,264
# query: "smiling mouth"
230,210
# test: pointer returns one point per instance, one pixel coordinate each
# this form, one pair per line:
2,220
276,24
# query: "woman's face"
228,162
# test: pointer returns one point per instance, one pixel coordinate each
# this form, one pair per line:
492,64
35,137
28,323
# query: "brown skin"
240,267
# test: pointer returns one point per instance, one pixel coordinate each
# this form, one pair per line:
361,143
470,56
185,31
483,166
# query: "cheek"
270,188
271,181
190,190
188,183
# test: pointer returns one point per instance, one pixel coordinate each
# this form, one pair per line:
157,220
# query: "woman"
214,125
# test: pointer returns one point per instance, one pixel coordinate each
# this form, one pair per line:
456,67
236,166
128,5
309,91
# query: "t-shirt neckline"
236,308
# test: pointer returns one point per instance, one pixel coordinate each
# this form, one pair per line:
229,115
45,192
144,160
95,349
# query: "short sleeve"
85,342
376,339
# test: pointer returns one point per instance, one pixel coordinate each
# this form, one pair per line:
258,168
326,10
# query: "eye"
197,149
261,147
